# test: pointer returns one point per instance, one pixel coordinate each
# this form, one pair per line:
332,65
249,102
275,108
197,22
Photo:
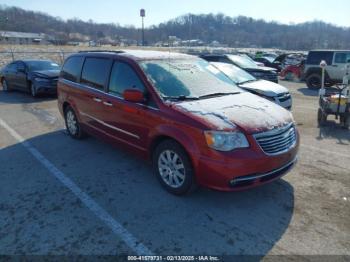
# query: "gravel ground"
304,213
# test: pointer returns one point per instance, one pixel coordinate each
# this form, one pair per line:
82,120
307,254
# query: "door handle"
335,65
108,103
97,100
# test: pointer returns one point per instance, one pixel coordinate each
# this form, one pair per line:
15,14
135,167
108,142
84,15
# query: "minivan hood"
264,87
251,113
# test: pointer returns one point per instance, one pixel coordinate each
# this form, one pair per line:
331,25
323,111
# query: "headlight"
40,79
226,141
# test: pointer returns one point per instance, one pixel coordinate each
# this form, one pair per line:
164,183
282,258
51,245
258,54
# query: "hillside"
233,31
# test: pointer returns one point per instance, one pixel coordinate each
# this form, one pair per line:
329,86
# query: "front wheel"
72,124
33,91
173,168
5,86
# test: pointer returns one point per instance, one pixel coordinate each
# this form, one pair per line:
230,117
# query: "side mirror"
133,95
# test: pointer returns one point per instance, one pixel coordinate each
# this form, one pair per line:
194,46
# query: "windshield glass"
42,65
236,74
243,62
187,77
269,58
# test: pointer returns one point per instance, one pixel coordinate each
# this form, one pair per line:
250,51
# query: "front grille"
284,97
277,141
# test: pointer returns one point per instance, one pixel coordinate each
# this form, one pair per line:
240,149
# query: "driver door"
20,78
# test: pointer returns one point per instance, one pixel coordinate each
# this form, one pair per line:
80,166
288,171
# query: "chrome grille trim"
278,140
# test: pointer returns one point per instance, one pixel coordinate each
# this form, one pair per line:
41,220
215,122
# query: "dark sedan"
247,64
269,62
34,76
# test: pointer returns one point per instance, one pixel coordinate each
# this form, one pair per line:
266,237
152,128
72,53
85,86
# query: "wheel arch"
179,136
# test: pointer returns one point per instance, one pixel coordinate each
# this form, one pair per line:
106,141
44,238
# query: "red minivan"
194,124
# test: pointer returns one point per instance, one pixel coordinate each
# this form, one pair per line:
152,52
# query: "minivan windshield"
237,75
187,78
242,61
41,65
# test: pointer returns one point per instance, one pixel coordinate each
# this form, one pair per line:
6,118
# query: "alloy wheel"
72,123
171,169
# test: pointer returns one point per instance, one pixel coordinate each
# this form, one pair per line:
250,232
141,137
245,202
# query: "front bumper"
244,169
46,87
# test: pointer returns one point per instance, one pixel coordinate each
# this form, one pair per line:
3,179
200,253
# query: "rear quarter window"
72,68
315,58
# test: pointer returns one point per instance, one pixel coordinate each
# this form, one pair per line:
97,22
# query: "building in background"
21,38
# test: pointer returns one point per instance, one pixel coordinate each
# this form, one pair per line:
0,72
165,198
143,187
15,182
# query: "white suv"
335,69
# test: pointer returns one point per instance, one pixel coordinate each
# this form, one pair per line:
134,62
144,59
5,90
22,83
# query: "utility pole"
143,14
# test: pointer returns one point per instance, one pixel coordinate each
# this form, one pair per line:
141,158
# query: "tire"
314,81
5,86
33,90
173,168
321,117
72,124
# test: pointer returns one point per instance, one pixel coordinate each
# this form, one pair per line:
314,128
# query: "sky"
126,12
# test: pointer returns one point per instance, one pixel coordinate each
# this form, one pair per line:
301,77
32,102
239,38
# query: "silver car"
267,89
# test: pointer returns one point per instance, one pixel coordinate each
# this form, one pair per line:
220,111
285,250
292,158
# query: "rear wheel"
173,168
314,81
72,124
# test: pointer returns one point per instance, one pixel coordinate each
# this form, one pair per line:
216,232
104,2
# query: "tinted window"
20,65
340,58
315,58
212,58
95,72
72,68
123,77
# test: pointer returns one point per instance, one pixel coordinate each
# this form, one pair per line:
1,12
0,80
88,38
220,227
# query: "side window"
315,58
20,66
123,77
340,58
72,68
95,72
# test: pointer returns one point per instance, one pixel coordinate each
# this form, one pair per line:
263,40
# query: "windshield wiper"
218,94
181,97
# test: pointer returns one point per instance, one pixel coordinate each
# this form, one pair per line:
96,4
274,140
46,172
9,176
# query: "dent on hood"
250,112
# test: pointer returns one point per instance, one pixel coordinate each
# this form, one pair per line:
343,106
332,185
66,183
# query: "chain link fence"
9,56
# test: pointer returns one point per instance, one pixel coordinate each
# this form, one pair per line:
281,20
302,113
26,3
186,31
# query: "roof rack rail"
101,51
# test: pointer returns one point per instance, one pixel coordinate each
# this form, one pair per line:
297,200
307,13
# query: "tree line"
238,31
